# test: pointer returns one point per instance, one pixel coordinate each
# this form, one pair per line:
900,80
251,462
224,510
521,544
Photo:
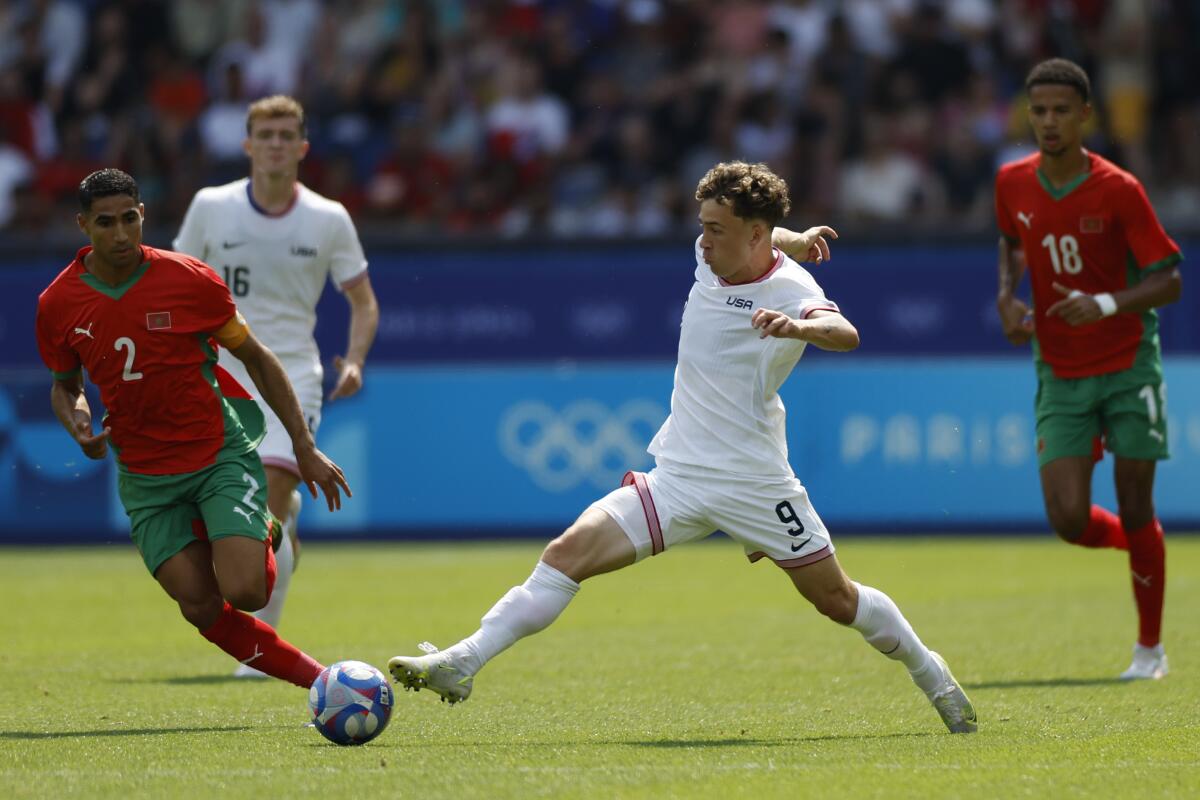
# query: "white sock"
522,611
285,562
885,628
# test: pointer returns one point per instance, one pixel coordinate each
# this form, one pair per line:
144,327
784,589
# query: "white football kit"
721,456
276,267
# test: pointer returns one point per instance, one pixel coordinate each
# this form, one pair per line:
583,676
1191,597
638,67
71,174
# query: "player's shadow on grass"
784,742
35,735
1040,683
189,680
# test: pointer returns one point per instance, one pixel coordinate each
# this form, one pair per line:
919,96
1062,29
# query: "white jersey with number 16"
275,266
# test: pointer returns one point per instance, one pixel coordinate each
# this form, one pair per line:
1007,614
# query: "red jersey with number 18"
147,344
1096,234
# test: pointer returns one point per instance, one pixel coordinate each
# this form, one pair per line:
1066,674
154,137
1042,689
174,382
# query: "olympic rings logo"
584,441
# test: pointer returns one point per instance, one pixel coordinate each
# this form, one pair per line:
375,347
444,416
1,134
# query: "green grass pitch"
691,675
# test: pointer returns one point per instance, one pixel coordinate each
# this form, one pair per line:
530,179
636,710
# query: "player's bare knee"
1068,522
567,552
201,612
247,598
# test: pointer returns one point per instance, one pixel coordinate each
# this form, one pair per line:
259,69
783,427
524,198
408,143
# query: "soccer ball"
351,702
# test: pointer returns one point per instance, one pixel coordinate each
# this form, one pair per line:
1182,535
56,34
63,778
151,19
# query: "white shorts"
276,447
768,518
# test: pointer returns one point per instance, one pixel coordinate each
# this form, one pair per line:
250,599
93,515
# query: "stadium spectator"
544,87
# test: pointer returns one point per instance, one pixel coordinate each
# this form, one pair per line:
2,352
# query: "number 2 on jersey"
1064,254
128,374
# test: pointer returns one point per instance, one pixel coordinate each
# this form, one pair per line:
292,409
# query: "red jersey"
147,344
1096,234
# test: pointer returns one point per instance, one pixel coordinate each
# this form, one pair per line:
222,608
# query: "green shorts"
169,512
1128,408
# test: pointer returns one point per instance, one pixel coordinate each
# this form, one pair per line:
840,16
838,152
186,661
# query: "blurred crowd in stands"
592,118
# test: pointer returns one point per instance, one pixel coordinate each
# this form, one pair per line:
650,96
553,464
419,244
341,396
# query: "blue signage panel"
620,302
921,445
936,444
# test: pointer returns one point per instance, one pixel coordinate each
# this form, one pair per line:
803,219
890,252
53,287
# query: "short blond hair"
753,191
277,106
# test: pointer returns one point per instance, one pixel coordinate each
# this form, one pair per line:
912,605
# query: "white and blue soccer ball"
351,702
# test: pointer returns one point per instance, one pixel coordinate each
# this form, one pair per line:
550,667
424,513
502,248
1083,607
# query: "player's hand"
1076,308
1016,319
317,470
809,246
93,446
774,323
349,378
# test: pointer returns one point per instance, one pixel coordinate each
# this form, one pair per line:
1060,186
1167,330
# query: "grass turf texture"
691,675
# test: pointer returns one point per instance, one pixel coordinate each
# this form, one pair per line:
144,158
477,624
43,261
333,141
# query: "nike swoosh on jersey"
796,547
231,245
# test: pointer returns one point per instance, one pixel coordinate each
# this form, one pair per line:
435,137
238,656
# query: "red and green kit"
148,345
1095,234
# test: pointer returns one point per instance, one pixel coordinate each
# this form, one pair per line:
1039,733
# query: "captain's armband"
233,333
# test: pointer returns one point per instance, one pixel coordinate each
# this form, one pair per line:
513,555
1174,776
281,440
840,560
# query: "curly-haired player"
721,456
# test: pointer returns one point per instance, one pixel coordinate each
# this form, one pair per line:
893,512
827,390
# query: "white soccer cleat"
437,671
951,701
247,671
1149,663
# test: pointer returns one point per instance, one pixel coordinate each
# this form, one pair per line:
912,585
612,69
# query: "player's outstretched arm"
828,330
71,407
1015,316
806,246
268,375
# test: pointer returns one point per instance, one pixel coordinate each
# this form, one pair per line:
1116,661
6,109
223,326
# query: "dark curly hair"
1060,72
106,183
753,191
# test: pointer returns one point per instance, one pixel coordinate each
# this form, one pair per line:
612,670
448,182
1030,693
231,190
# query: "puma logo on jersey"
304,252
1025,218
1156,434
87,331
257,654
244,513
739,302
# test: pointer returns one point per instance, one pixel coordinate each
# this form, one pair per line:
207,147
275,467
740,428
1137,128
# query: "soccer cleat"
1149,663
951,701
436,671
247,671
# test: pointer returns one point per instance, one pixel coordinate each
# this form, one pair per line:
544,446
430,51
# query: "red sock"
254,642
1148,563
1103,530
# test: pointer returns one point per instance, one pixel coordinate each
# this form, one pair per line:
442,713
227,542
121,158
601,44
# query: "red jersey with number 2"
1098,234
146,344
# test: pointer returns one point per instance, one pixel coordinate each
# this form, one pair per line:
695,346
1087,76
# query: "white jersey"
726,414
275,265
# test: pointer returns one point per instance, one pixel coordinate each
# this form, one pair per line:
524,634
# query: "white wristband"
1108,306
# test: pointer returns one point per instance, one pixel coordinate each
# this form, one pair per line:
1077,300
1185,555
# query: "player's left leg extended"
594,544
873,614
